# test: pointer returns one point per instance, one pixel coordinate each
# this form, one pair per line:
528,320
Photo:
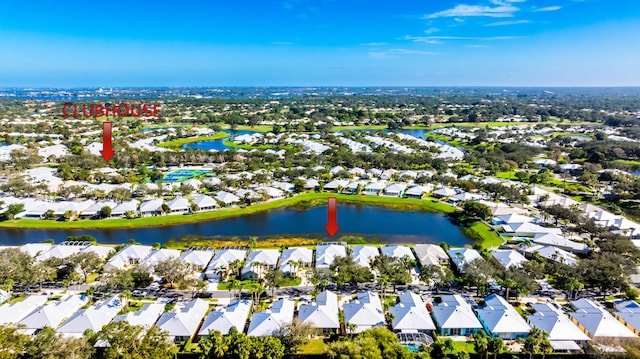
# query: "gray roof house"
183,322
411,315
224,318
269,320
323,313
364,312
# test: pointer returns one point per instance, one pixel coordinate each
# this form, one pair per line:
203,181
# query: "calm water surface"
389,225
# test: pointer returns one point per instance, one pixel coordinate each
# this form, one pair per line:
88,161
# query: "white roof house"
205,203
411,315
296,254
556,323
454,316
95,209
463,256
629,312
51,314
397,251
234,315
444,192
528,229
179,205
560,242
145,316
100,251
365,311
554,254
227,198
15,312
335,185
395,189
509,218
121,209
596,321
430,254
269,320
159,255
198,258
268,258
417,191
35,249
508,258
59,251
364,254
311,183
500,319
374,188
182,322
152,206
223,258
323,313
93,318
129,255
326,253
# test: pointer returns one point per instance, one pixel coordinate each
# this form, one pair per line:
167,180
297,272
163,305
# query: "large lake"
388,225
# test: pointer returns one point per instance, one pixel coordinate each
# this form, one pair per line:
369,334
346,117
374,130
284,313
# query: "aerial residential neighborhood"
320,180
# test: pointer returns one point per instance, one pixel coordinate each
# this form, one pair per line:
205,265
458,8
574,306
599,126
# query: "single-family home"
430,254
326,253
463,256
227,198
395,190
553,254
183,321
95,209
628,312
508,258
270,320
564,335
551,239
100,251
397,251
292,259
204,203
179,205
444,192
146,316
129,255
417,192
151,207
259,262
15,312
92,318
223,258
121,210
411,315
363,255
35,249
224,318
501,320
453,316
596,321
335,185
51,314
159,255
199,258
374,188
312,183
351,188
364,312
323,313
528,229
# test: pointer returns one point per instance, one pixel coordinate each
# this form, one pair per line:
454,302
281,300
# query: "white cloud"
429,39
502,9
431,30
548,8
505,23
394,53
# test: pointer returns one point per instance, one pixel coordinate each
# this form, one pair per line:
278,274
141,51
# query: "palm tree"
253,242
481,343
351,328
496,346
383,281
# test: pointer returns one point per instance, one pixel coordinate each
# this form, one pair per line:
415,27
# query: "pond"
217,145
387,225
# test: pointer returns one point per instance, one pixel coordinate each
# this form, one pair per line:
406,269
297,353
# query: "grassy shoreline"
483,236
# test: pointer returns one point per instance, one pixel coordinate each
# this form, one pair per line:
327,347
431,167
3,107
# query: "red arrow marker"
332,212
107,146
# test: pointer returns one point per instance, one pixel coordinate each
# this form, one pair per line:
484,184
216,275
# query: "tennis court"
183,175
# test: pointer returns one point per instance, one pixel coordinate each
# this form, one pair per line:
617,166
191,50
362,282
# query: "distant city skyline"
321,43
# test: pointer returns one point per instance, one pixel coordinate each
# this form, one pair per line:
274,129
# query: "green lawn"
177,143
463,347
483,235
257,128
313,347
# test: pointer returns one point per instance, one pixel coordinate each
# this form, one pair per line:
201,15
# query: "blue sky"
320,43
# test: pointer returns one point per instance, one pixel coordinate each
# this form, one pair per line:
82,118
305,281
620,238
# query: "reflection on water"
373,222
